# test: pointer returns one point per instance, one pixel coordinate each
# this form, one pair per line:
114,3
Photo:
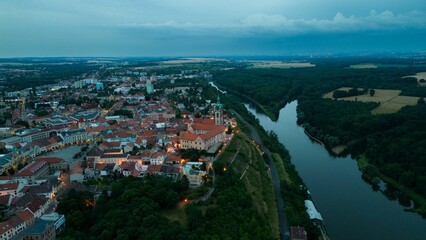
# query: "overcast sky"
209,27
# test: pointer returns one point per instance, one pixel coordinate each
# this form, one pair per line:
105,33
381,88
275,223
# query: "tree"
11,171
372,92
23,123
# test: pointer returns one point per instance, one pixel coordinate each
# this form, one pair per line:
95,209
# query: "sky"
54,28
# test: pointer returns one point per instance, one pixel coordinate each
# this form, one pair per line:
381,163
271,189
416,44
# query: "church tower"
218,112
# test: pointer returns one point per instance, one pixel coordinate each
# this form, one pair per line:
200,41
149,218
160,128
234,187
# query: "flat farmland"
395,104
419,76
191,60
363,66
279,64
390,101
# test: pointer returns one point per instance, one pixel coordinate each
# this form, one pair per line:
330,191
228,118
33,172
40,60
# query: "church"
204,133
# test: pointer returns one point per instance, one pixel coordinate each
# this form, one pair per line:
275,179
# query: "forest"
133,211
393,143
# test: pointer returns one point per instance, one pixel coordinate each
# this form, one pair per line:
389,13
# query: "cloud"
384,21
339,23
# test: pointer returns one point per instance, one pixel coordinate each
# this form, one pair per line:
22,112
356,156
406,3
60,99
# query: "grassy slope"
255,179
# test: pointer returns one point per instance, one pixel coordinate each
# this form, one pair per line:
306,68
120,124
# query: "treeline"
273,88
394,143
43,74
352,92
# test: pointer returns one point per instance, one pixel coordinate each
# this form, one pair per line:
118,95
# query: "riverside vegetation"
393,145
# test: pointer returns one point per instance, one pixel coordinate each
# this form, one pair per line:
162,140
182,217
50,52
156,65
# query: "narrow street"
283,223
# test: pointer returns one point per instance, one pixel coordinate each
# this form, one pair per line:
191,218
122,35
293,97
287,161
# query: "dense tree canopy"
394,143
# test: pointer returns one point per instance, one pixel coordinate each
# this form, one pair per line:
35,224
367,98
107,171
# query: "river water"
348,205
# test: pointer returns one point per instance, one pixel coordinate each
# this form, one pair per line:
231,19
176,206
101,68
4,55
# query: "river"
348,205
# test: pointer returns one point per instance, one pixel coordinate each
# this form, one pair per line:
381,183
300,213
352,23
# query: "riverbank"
335,183
288,185
269,113
336,150
363,162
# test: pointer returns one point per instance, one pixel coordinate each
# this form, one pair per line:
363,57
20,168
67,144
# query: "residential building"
40,230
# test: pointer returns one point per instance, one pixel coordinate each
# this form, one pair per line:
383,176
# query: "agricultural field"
419,76
191,60
279,64
363,66
390,101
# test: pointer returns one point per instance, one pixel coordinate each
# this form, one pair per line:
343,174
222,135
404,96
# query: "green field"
279,64
390,101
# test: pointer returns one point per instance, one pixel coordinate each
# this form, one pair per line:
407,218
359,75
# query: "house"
38,206
158,158
55,164
6,200
32,171
57,219
6,230
17,224
170,171
93,156
45,190
11,189
76,136
154,169
128,168
129,147
115,158
173,159
76,173
40,230
110,145
27,216
194,174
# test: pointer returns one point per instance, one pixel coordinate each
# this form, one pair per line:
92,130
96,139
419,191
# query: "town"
75,132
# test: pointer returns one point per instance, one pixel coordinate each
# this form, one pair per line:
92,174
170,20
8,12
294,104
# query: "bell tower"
218,112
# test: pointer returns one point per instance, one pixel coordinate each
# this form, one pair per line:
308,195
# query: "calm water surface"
349,206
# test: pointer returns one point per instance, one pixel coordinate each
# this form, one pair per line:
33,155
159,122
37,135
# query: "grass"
257,181
280,168
362,162
390,101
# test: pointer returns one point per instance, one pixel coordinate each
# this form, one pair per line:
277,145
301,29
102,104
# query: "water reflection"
352,209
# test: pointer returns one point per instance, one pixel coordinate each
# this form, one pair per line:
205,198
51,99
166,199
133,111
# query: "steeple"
218,105
218,112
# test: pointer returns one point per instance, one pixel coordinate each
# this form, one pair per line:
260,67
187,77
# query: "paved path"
283,223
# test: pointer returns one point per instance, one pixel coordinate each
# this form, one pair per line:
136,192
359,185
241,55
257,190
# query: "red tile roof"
36,204
4,227
9,186
51,160
26,215
188,136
